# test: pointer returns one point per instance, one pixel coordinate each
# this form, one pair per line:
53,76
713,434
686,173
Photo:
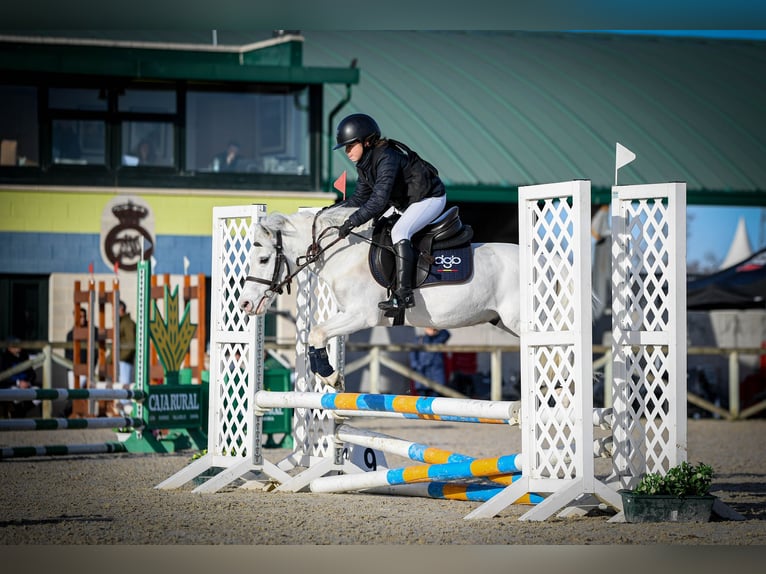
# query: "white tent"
740,248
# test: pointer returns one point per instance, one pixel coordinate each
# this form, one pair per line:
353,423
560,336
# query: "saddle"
443,247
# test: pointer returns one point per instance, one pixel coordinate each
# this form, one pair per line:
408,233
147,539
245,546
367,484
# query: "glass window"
77,99
248,132
147,144
19,142
78,142
148,101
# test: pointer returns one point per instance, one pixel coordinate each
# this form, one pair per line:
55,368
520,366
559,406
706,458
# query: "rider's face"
354,151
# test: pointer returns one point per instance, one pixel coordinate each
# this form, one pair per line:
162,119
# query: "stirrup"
396,303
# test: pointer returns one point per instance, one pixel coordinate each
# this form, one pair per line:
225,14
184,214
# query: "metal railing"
376,358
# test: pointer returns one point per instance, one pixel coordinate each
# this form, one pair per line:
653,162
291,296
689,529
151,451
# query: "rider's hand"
345,229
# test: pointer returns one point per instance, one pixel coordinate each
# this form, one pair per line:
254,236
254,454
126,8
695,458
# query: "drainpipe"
331,124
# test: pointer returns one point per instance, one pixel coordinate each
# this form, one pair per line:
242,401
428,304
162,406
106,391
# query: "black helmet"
356,128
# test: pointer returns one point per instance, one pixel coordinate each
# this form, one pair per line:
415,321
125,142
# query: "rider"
388,176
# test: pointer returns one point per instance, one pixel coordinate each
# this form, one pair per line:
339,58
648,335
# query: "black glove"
345,229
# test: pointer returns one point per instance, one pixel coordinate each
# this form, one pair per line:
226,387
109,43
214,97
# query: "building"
492,110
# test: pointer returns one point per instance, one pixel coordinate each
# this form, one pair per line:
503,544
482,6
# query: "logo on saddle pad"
444,247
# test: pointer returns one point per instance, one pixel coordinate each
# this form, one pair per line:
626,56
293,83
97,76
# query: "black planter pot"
666,508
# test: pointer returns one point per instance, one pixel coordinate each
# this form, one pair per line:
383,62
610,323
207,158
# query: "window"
111,131
78,127
78,142
147,101
19,141
254,132
147,144
77,99
147,141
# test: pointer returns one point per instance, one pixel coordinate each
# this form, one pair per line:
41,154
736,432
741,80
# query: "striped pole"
602,417
70,394
482,467
344,414
391,445
412,450
452,491
61,450
69,424
440,406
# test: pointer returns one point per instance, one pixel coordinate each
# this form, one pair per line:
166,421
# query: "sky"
711,229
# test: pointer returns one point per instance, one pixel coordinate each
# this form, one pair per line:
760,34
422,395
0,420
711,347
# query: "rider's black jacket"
386,177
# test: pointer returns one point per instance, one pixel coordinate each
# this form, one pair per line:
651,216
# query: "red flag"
116,267
340,184
90,268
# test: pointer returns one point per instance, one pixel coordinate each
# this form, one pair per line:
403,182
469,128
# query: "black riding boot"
405,266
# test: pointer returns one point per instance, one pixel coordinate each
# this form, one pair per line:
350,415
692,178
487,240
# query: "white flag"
623,157
186,265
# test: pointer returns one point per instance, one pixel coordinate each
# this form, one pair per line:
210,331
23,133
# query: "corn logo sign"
171,337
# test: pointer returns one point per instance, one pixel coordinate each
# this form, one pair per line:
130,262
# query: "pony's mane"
327,218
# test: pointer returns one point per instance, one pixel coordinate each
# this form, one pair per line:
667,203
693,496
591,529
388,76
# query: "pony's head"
269,266
277,240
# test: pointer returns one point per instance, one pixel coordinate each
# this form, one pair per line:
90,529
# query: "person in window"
146,153
230,159
387,176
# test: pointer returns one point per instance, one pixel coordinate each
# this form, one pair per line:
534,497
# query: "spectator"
602,259
430,364
146,154
125,378
12,356
228,160
82,322
127,345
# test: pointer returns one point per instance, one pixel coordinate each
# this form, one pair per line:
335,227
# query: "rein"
313,252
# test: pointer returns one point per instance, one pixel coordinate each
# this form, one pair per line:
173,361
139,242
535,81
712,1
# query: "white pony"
281,243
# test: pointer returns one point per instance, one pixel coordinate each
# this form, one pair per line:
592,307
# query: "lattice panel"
233,400
647,248
555,393
649,329
557,381
236,366
236,241
552,240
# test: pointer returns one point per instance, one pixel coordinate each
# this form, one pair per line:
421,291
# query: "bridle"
314,251
274,284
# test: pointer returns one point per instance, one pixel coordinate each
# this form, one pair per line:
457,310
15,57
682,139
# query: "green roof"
496,110
270,60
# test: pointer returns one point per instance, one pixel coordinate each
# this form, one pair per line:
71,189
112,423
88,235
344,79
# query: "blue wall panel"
45,253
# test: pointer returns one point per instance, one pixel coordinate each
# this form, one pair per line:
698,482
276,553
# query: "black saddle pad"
450,265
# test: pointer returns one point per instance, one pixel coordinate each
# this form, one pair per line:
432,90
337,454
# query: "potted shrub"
679,496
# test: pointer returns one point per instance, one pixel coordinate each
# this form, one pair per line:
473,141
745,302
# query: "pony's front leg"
340,324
